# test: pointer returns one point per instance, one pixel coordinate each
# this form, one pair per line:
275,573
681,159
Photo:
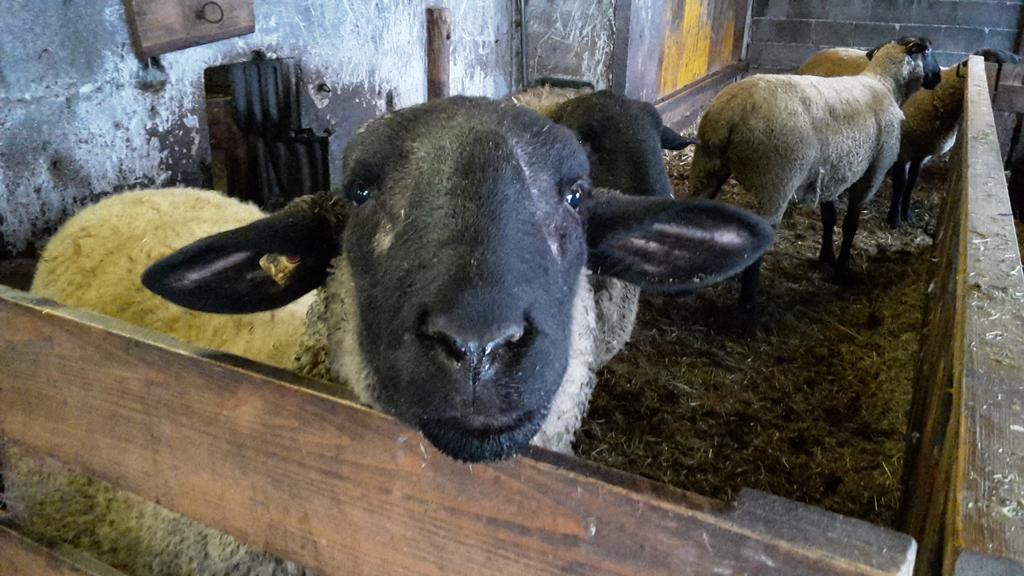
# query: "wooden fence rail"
253,452
964,487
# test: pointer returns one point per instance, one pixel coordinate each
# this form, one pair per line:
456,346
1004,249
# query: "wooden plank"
20,556
439,39
681,110
701,38
637,48
989,482
964,487
931,442
160,26
1010,98
283,468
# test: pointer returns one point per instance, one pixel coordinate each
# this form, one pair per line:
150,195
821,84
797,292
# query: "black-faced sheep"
460,260
931,117
454,292
787,137
623,137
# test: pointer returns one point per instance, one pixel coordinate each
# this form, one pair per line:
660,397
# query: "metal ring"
211,12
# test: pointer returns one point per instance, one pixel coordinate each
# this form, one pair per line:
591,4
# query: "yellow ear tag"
280,267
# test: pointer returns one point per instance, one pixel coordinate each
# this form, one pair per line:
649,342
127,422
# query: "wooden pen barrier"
964,487
260,454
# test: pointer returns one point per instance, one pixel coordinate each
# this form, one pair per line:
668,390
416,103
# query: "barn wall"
81,115
701,37
786,32
571,39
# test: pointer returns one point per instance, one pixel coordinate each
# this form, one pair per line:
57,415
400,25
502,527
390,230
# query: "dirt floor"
811,402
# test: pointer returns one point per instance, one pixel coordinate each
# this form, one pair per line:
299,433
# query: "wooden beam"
159,26
346,490
681,109
965,467
439,40
20,556
989,480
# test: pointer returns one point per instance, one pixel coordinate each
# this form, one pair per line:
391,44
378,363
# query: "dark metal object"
282,160
211,12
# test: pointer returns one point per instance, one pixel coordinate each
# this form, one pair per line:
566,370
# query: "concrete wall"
786,32
81,116
571,39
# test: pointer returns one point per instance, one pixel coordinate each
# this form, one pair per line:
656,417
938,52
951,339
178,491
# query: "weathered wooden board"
682,109
701,37
20,556
964,488
346,490
989,481
160,26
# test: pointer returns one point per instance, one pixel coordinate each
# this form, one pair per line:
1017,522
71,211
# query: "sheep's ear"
260,266
665,245
917,48
672,140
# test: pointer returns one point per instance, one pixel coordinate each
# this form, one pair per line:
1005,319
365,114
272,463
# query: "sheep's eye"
574,195
358,194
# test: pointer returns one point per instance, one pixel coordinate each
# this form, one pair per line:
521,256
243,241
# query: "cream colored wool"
787,137
544,99
97,258
834,62
931,116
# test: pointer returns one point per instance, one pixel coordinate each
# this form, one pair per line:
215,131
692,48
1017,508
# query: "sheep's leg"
915,169
827,255
899,190
750,279
850,223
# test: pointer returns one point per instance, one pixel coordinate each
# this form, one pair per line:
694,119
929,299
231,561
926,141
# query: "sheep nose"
462,344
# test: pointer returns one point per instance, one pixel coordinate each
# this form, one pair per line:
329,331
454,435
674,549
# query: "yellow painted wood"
700,38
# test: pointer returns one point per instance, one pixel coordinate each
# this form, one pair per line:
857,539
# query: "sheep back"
97,258
835,62
784,136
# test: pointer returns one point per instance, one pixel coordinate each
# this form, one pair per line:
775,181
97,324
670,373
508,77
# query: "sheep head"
450,264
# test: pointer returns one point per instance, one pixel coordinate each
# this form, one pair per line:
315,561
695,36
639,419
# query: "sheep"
457,260
931,117
623,138
808,138
460,316
139,228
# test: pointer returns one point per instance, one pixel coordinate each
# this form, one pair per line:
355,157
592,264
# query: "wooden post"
439,39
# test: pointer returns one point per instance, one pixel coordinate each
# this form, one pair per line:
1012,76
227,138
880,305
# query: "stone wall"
785,32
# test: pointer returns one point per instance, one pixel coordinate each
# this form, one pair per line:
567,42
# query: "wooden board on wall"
160,26
701,37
